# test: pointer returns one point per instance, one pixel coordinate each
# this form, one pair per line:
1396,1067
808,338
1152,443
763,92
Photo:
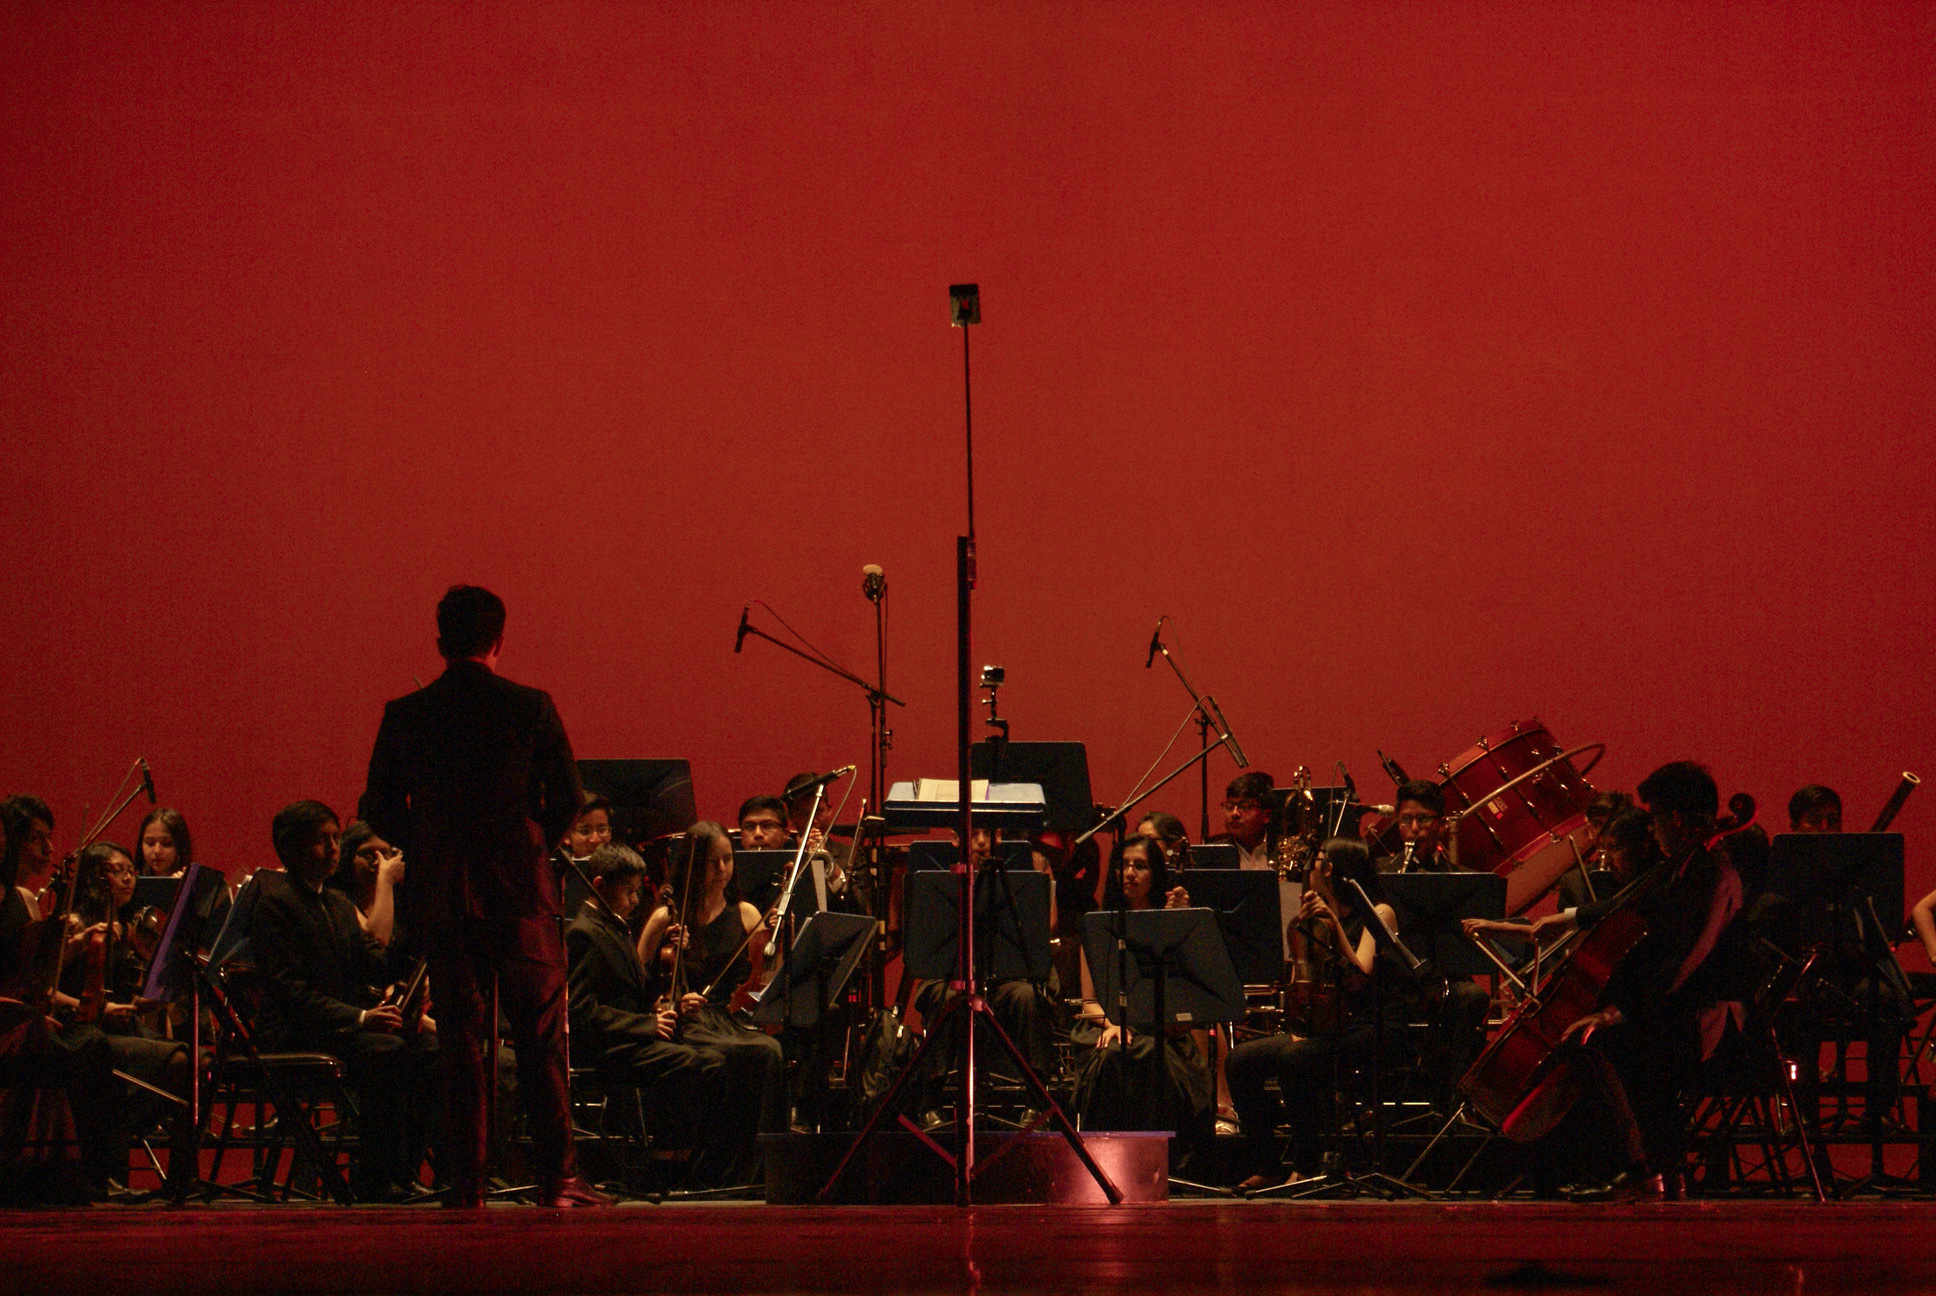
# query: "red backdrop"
1432,365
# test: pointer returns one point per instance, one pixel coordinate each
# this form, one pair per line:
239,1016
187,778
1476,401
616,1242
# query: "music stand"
825,952
758,873
1061,768
1431,908
1178,972
934,855
1011,942
1249,917
1837,881
232,940
1217,857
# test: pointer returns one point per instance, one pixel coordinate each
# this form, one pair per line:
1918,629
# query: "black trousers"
395,1077
527,958
1022,1011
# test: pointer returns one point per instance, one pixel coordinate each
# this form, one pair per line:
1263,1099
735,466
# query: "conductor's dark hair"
177,829
1808,800
615,861
1159,862
755,803
1683,786
295,826
1254,786
1425,792
20,813
470,619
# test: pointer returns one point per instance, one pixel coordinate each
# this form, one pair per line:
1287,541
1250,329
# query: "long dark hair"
177,829
1350,861
692,855
93,897
1112,896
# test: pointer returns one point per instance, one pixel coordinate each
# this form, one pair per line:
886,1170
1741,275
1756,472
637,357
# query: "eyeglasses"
1247,806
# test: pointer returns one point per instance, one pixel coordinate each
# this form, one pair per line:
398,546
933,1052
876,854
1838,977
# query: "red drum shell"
1532,833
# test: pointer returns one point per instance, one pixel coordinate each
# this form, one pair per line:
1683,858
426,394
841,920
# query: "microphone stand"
1203,737
1224,739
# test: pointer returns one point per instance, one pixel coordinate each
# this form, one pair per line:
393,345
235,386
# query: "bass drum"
1521,806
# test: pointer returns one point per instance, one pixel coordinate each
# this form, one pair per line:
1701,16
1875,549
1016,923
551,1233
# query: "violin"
1314,994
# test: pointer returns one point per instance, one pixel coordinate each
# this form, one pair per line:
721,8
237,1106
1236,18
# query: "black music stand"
1061,769
932,855
1431,908
824,954
759,874
1177,973
1249,916
1219,857
1011,930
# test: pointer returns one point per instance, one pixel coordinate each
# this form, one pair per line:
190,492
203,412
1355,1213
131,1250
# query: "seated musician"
1420,807
621,1024
1023,1009
590,830
1306,1063
1640,1048
371,870
103,890
1118,1086
318,967
167,849
724,951
1815,809
798,799
1171,835
79,1064
764,824
1626,848
1247,819
1074,873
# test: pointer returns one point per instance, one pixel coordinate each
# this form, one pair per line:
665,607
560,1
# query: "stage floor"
1176,1248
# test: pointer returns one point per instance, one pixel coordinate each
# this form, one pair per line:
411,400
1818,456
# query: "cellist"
1654,1025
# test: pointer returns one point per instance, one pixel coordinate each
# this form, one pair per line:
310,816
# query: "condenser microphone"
873,582
148,781
808,785
739,640
1236,751
1156,643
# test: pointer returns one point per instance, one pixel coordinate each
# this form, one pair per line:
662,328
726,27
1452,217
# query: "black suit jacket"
318,968
473,778
612,999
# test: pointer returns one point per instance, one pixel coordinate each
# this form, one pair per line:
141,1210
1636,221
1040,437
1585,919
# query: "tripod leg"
886,1104
1063,1124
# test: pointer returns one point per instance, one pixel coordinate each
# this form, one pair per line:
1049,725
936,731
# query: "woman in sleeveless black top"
1306,1067
728,941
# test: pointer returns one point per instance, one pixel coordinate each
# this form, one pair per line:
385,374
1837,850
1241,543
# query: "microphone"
1404,865
739,640
148,781
1350,787
1396,771
873,582
1236,751
1156,643
808,785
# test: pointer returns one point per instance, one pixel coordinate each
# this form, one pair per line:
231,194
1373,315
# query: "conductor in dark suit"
473,778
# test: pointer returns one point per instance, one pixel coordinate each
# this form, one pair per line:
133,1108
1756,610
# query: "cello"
1522,1082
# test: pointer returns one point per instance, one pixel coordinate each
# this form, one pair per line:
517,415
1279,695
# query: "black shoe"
568,1193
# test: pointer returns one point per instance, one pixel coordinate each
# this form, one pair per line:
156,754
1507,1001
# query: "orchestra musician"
1247,819
590,830
79,1064
1420,808
1305,1065
621,1025
167,849
371,870
1117,1086
1021,1007
472,777
764,824
1171,835
721,952
319,971
1658,1017
1815,809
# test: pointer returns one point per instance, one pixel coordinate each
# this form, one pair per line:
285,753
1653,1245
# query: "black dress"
752,1089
